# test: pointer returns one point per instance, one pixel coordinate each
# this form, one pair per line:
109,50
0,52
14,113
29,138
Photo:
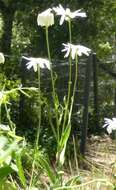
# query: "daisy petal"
66,14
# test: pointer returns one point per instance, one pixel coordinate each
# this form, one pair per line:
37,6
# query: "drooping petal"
83,50
110,124
62,19
48,65
67,49
41,64
109,130
66,14
75,50
29,65
59,10
34,62
35,67
79,14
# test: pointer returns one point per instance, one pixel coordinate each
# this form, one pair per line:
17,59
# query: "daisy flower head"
75,50
34,62
45,18
110,124
2,58
66,14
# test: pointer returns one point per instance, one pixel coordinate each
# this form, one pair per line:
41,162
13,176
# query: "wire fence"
87,90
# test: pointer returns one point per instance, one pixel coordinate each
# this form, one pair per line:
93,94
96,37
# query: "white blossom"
75,50
45,18
2,58
110,124
33,62
66,14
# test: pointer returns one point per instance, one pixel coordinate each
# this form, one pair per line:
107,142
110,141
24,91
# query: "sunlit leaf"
5,171
20,170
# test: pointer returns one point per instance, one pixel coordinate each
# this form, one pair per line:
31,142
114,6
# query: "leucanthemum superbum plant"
62,127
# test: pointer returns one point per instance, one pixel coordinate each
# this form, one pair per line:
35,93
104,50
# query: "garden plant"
27,166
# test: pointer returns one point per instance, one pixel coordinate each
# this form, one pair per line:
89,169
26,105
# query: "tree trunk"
8,17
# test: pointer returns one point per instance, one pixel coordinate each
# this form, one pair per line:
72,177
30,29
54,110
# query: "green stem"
53,87
52,126
49,57
70,76
8,117
39,97
70,31
74,89
38,128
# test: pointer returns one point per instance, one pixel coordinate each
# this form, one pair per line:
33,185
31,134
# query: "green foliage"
20,164
104,50
10,154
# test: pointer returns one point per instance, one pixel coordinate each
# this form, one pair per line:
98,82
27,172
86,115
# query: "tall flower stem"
70,31
74,88
70,76
53,86
38,128
68,124
39,111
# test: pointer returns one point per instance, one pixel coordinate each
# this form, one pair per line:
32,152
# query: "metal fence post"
114,132
95,93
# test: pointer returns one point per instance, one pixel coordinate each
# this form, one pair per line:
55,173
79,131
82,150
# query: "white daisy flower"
45,18
110,124
75,50
2,58
67,14
33,62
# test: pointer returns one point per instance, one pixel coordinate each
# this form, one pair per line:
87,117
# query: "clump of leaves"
11,147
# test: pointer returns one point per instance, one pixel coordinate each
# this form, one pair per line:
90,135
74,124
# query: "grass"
96,171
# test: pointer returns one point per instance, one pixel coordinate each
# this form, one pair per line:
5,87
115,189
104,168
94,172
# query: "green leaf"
62,155
45,165
64,137
20,170
74,180
7,185
5,155
4,172
62,145
12,134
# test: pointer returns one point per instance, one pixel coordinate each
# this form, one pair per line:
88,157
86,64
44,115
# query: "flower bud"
45,18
